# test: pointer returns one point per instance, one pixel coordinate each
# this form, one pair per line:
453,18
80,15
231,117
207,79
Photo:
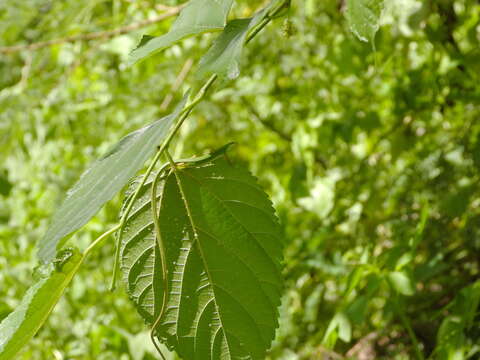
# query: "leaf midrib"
222,201
195,228
202,255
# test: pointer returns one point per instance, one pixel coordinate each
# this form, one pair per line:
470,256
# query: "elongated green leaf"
363,17
223,58
198,17
339,327
452,342
23,323
223,248
103,180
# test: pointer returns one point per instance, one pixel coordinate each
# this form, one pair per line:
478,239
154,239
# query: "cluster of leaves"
372,159
203,267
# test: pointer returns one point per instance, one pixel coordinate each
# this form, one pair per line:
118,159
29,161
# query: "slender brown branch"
324,353
176,85
93,35
270,125
363,346
265,122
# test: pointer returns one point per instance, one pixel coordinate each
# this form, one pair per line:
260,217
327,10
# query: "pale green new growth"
363,17
223,248
22,324
198,17
103,180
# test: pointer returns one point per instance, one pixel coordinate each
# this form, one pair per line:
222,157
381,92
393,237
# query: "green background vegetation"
371,158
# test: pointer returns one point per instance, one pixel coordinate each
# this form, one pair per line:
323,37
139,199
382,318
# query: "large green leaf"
363,17
103,180
223,247
198,17
23,323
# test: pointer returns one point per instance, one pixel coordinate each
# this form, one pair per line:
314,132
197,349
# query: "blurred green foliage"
371,158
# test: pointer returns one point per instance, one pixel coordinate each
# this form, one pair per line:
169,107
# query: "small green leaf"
401,282
23,323
223,58
363,17
223,247
353,279
344,327
103,180
340,327
198,17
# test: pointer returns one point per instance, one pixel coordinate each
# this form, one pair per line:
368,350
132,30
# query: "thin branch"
408,327
163,259
363,346
327,353
176,85
364,161
270,125
93,35
265,122
99,240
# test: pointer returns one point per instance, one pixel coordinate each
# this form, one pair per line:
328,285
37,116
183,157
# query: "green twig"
163,259
184,114
271,14
408,327
99,239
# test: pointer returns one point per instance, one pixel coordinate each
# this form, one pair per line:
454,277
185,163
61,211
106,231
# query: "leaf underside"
22,324
223,249
105,178
363,17
198,17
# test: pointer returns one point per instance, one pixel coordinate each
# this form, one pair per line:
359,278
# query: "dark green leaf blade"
363,17
223,58
198,17
103,180
223,248
23,323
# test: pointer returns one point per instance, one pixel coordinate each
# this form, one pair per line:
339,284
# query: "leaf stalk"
163,259
184,114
